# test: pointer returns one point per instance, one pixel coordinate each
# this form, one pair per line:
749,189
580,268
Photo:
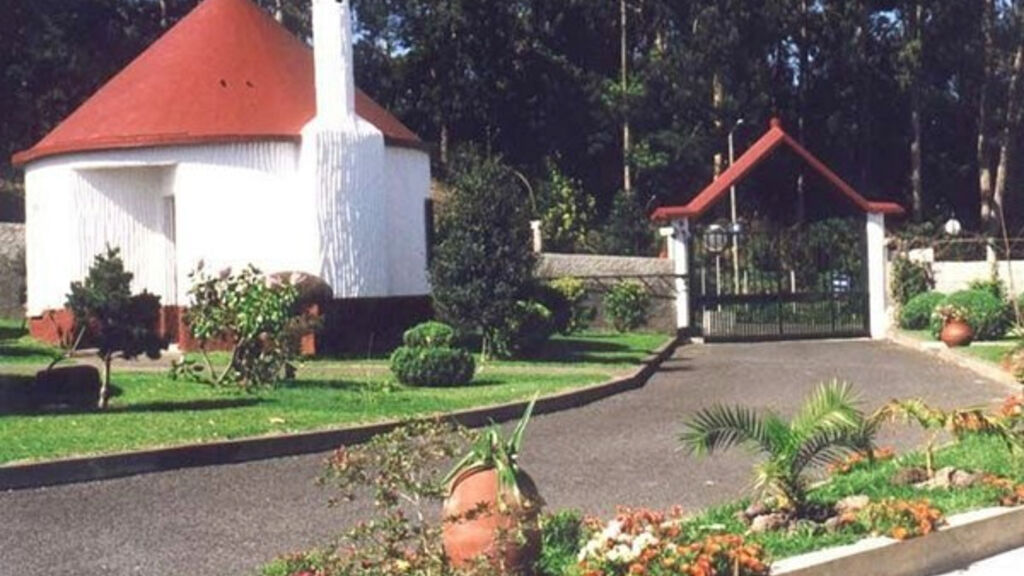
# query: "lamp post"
734,226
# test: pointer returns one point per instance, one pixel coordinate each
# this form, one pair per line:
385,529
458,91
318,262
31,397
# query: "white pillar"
876,275
538,236
677,251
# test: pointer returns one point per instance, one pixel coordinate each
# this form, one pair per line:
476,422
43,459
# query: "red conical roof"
227,72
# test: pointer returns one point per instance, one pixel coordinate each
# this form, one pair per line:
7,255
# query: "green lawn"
151,410
992,352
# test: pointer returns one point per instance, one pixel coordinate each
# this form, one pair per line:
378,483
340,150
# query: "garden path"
620,451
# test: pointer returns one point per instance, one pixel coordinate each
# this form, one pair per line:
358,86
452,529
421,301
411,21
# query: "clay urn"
956,333
476,529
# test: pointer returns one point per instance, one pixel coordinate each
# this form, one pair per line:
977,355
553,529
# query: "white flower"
612,530
642,542
621,554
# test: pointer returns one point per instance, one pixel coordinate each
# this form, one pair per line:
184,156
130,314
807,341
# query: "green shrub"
916,314
545,294
993,286
429,335
627,304
526,330
574,293
986,314
432,367
910,279
561,536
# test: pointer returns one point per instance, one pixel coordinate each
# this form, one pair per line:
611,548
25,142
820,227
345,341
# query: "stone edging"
967,538
979,367
85,469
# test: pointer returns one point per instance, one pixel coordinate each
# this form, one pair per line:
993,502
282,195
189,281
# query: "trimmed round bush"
432,367
429,335
916,314
627,304
986,314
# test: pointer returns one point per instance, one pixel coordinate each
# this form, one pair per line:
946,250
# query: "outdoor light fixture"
952,227
715,238
735,228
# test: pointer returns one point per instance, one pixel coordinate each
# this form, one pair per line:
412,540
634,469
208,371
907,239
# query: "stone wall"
12,269
602,272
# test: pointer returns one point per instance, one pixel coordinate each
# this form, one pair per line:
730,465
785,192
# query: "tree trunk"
801,194
1009,128
627,179
717,98
163,14
105,383
983,155
916,185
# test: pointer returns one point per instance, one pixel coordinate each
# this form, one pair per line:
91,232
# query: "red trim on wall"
757,153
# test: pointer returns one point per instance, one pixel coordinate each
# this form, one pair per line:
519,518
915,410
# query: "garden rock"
754,510
943,479
908,476
852,504
769,522
964,479
833,524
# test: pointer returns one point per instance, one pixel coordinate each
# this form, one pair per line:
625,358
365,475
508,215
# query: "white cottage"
230,141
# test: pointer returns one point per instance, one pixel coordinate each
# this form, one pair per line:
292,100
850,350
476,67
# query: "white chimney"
332,55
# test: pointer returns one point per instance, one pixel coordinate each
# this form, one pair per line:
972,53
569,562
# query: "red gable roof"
227,72
758,152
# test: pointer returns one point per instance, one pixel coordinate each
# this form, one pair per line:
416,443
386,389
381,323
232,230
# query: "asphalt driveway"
227,520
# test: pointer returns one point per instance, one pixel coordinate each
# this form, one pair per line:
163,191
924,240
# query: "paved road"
227,520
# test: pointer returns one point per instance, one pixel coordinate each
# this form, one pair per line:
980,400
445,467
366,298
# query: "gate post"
879,324
678,247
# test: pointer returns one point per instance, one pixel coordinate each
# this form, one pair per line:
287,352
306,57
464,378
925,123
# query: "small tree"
254,315
483,263
121,324
568,212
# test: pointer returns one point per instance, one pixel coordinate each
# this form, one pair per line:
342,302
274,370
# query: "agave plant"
490,450
959,422
828,426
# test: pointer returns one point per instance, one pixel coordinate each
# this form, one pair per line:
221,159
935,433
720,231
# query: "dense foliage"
542,83
430,366
910,279
525,331
251,315
576,315
482,264
430,358
119,323
987,315
627,305
916,313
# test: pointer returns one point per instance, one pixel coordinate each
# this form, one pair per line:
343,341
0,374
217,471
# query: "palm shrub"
958,422
986,314
828,426
916,314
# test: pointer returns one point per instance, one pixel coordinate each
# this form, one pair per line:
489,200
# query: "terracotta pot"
475,529
956,333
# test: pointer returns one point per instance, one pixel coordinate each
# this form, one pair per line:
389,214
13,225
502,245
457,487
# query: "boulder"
908,476
769,522
852,504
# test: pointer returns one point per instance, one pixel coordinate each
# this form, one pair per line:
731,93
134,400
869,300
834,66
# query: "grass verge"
150,410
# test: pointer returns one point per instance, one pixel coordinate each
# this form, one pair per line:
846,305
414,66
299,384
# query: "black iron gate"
779,284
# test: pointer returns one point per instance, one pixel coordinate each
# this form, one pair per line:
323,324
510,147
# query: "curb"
87,469
979,367
967,538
